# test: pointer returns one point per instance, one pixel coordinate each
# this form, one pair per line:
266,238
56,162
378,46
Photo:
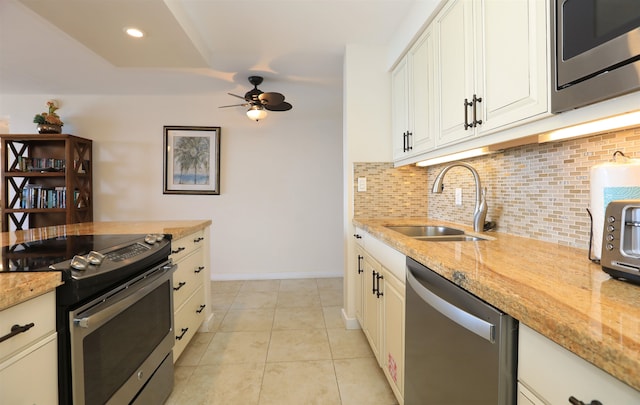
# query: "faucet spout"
480,211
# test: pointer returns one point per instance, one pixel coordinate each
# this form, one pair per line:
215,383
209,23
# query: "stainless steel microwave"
595,51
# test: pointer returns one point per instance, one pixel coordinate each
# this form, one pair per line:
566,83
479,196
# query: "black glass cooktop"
39,255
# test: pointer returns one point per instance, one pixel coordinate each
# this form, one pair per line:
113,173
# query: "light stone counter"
553,289
19,287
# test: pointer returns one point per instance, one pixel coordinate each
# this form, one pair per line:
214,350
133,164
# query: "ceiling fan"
259,102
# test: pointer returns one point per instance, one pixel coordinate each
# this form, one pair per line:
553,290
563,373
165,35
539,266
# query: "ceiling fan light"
134,32
256,113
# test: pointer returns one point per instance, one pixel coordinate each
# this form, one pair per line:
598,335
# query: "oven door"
120,339
596,51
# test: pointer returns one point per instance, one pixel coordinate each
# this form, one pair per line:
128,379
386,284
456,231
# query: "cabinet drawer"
554,374
30,377
526,397
184,246
188,319
41,311
187,278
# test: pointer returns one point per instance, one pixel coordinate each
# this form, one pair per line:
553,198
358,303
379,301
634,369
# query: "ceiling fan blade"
234,105
271,98
284,106
235,95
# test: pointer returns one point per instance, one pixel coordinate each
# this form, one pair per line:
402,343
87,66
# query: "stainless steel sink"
425,230
449,238
435,233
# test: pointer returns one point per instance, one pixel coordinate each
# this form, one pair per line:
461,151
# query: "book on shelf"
35,196
32,164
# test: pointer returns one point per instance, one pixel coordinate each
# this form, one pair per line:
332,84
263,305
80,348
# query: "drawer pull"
183,330
375,278
199,269
178,250
199,311
16,330
180,285
574,401
200,239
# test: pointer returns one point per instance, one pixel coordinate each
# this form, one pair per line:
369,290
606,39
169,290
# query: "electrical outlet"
362,184
458,197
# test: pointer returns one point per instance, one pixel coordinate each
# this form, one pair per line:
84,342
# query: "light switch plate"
458,197
362,184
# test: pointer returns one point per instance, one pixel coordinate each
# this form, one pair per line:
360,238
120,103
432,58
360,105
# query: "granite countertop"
19,287
556,290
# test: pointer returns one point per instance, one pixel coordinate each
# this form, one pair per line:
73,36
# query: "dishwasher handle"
468,321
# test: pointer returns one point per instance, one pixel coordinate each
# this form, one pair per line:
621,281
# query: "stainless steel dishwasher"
459,350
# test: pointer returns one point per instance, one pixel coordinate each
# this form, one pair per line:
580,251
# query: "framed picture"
191,160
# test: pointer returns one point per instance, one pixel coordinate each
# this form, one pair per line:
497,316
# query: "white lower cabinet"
190,283
380,294
28,360
550,374
372,303
392,360
188,319
359,284
526,397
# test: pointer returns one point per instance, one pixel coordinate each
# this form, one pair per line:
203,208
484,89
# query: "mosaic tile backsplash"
391,192
540,191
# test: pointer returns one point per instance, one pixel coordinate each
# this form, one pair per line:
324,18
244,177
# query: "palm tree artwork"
191,160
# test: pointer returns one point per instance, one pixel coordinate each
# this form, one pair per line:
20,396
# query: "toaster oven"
621,240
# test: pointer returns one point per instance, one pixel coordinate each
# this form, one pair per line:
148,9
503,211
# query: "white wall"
409,31
280,209
367,137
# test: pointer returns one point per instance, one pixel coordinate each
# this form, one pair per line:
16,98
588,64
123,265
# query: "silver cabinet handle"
468,321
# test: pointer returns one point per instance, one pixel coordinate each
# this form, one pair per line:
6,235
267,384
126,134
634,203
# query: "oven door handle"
106,307
468,321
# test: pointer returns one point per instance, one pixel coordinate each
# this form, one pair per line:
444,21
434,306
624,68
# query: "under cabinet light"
456,156
592,128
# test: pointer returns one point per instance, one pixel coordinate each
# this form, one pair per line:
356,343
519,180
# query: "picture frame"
191,160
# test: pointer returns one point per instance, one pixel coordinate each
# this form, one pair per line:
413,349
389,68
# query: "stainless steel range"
114,314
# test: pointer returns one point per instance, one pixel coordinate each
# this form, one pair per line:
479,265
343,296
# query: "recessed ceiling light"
134,32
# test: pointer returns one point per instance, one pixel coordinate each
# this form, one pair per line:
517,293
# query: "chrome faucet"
480,212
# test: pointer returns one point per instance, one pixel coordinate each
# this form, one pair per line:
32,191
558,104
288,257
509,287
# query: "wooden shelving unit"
55,171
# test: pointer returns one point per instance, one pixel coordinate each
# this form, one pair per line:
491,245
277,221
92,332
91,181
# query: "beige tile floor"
279,342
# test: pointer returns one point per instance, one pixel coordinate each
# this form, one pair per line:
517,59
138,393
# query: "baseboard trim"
349,323
207,324
271,276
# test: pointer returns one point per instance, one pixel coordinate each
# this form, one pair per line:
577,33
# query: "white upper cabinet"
492,66
456,70
514,44
399,109
414,119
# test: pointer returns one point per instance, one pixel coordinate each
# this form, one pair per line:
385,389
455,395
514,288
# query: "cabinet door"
31,376
515,61
393,332
456,60
526,397
399,109
555,374
359,284
422,105
371,303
